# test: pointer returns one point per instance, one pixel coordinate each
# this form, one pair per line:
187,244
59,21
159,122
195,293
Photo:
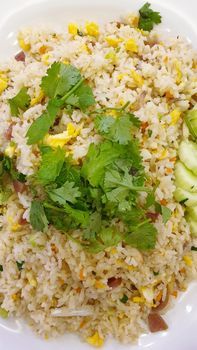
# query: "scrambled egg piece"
60,140
16,227
3,84
139,81
131,46
92,29
99,285
45,59
114,42
179,75
37,99
95,340
175,115
72,28
188,261
25,46
10,150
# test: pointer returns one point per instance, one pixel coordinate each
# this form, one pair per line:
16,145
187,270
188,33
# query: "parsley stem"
50,206
125,106
64,98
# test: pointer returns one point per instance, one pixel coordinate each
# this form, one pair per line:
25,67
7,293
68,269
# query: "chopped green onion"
124,299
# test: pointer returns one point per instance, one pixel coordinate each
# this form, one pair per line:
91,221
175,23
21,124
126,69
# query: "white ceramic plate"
178,16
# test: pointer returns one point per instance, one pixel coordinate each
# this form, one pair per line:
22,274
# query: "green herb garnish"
64,86
194,248
20,265
124,299
1,268
38,217
148,18
20,102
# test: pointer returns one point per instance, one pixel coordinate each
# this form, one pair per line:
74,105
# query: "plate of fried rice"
98,174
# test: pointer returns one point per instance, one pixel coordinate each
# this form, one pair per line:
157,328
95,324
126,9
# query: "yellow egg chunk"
25,46
114,42
72,28
179,75
95,340
188,261
10,150
16,227
92,29
60,140
175,115
3,84
131,46
45,59
137,78
38,99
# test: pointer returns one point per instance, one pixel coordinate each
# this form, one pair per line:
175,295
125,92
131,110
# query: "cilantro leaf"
107,237
9,167
58,218
117,129
42,124
142,237
113,178
82,98
51,165
68,173
67,193
98,157
20,102
148,18
150,200
38,219
80,216
164,211
60,79
166,214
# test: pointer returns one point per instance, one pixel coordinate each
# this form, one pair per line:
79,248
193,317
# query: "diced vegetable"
188,155
191,121
192,213
193,226
184,178
183,196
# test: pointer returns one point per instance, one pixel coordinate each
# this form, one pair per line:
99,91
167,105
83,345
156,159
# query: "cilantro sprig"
107,186
148,18
63,85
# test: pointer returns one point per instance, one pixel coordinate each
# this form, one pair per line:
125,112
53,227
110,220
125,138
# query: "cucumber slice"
193,227
183,196
188,155
191,121
184,178
192,214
